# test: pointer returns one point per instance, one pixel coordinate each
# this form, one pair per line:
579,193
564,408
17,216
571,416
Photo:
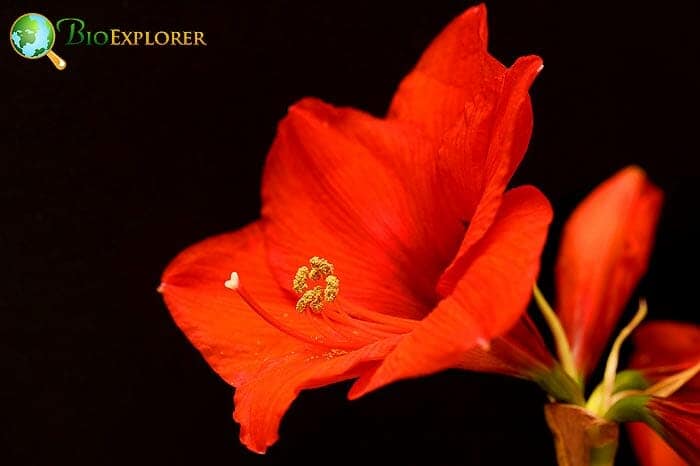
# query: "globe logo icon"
32,36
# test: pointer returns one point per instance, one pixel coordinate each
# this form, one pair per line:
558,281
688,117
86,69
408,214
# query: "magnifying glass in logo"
32,36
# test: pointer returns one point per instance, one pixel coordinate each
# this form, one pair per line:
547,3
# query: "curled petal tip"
161,288
233,282
483,343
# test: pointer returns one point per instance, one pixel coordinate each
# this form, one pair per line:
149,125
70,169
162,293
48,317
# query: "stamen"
371,330
320,267
323,340
397,324
335,327
299,283
332,288
314,298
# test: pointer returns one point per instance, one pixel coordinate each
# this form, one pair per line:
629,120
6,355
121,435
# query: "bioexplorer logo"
33,36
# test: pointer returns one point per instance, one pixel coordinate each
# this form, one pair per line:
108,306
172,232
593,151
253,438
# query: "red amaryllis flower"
661,350
386,248
605,249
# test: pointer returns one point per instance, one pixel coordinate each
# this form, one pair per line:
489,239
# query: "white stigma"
233,282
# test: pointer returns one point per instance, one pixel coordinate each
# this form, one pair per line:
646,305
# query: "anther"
332,288
299,283
320,269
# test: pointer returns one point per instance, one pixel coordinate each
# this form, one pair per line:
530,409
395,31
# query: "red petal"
489,299
336,177
680,422
326,192
651,449
232,338
479,113
262,401
478,164
267,366
455,71
604,251
521,352
666,343
664,348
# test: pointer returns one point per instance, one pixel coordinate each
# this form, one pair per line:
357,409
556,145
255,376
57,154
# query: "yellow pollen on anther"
320,267
300,278
315,298
312,299
332,288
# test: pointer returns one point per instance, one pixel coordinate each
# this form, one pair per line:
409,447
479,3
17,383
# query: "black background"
110,168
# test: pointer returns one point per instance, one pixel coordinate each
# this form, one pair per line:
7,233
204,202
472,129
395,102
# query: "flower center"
340,327
315,298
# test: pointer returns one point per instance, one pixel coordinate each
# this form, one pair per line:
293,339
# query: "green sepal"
626,380
560,386
633,408
630,379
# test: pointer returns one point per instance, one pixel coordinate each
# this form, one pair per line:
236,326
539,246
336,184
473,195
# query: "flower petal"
479,156
267,366
479,113
262,400
455,71
664,348
325,193
521,352
679,425
605,249
487,301
232,338
652,450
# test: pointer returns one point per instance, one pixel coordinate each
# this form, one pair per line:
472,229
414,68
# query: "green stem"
603,456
